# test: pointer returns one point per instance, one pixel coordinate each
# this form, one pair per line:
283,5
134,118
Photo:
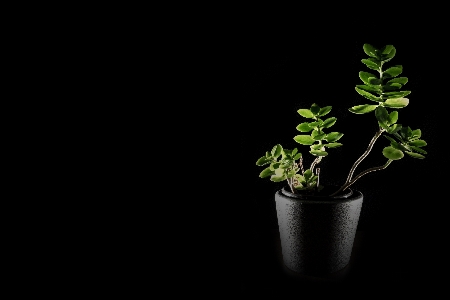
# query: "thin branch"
362,174
315,162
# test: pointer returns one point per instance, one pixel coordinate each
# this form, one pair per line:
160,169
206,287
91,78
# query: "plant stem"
315,162
362,174
355,165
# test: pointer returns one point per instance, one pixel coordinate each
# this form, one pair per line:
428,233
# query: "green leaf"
320,136
388,57
401,80
393,117
313,124
366,77
417,133
294,151
387,49
297,156
382,115
369,88
362,109
304,127
276,150
392,86
274,166
418,143
374,81
333,136
394,128
397,102
308,174
390,139
393,71
399,146
329,122
332,145
324,110
266,172
370,50
318,153
314,133
370,64
417,149
315,108
268,154
305,113
316,146
415,155
275,178
368,95
263,161
304,139
392,153
399,94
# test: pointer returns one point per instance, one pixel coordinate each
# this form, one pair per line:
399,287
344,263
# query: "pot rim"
351,195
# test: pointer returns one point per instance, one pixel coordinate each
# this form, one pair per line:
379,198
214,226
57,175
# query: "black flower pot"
317,231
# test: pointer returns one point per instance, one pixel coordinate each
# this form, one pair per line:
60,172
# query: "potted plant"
317,222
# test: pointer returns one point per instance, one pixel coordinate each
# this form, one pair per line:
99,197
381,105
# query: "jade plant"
385,91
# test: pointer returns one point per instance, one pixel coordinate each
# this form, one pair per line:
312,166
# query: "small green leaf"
320,136
382,115
370,64
417,133
394,128
401,80
314,133
308,174
316,146
297,156
392,153
392,86
275,178
266,173
374,81
268,154
333,136
415,155
399,94
304,139
305,113
388,57
369,88
313,124
366,76
393,117
329,122
324,110
370,50
318,153
332,145
387,49
397,102
417,149
276,150
418,143
393,71
315,108
274,166
390,139
383,125
304,127
362,109
294,151
263,161
368,95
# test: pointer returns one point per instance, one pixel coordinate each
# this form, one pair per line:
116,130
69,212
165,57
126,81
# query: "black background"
402,220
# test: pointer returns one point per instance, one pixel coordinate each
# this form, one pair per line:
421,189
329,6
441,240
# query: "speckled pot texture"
317,232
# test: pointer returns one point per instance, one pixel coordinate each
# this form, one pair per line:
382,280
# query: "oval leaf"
368,95
333,145
320,136
417,149
275,178
297,156
393,71
263,161
276,150
305,113
333,136
393,117
308,174
329,122
368,88
387,49
392,86
315,108
397,102
362,109
365,76
318,153
370,50
370,64
266,172
415,155
388,57
399,94
401,80
417,133
418,143
324,110
392,153
304,127
304,139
